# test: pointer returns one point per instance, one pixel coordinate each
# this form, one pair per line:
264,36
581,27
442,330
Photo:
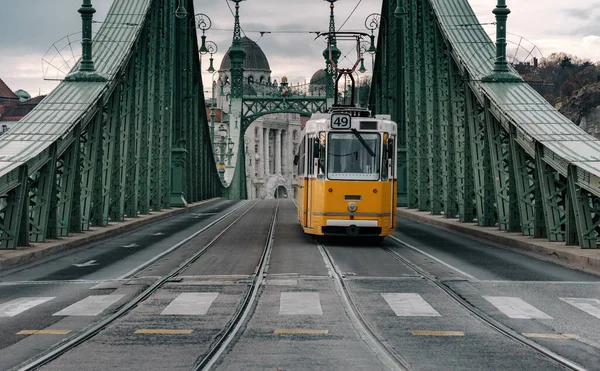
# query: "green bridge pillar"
178,163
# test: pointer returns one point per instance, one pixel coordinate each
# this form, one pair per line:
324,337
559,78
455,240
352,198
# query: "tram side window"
311,157
301,159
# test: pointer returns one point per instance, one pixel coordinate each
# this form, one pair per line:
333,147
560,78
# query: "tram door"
392,154
310,159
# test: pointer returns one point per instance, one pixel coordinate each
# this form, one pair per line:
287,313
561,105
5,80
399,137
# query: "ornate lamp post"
87,71
229,150
332,55
202,22
212,49
501,71
373,22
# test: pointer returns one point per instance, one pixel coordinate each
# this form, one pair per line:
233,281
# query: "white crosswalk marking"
516,308
590,306
191,304
306,303
409,305
14,307
90,306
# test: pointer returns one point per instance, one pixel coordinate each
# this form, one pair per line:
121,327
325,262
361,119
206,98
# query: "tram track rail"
482,316
127,307
383,350
224,339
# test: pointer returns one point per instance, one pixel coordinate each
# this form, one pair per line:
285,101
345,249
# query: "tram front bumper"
351,227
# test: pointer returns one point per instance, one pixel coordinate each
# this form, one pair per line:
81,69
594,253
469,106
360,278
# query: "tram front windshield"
353,156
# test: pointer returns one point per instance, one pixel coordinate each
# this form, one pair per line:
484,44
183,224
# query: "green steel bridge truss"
97,152
492,152
92,153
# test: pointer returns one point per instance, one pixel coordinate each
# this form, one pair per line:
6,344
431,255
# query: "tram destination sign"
341,121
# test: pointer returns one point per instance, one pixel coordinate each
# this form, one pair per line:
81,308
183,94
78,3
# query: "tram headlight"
352,207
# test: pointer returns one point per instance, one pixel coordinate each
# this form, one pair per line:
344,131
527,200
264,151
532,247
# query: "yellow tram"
347,174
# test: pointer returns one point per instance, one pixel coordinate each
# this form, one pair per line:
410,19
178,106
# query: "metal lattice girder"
41,186
436,107
412,80
462,146
480,157
446,129
524,171
167,39
91,141
155,108
256,107
145,126
552,196
66,176
421,79
135,120
503,173
15,221
581,211
106,157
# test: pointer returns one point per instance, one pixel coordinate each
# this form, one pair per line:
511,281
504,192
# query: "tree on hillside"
560,75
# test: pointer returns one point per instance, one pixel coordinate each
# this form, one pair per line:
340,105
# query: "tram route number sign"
341,121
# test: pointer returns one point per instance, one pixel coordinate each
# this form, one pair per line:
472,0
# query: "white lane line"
14,307
190,304
409,305
306,303
590,306
472,278
516,308
90,306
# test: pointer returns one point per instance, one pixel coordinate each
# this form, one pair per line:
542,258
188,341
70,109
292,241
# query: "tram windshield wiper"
362,141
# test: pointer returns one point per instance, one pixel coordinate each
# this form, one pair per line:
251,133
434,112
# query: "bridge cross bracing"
491,152
97,152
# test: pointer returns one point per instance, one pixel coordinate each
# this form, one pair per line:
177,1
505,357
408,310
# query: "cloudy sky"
30,28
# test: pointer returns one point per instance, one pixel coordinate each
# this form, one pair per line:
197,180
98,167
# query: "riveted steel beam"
145,123
580,212
480,158
14,227
553,197
502,172
435,107
447,144
523,169
413,151
41,186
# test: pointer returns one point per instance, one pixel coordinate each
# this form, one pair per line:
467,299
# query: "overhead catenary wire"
351,13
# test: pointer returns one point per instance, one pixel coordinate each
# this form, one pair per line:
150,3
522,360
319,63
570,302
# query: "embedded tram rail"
496,325
221,341
382,346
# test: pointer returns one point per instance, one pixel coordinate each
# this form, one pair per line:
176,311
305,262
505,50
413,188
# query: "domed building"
272,140
317,82
256,72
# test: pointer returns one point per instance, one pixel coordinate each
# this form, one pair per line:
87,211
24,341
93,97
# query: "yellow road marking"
438,333
163,332
300,331
43,332
551,336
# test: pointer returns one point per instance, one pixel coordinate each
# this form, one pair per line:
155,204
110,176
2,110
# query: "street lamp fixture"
362,68
211,48
372,23
181,12
400,11
202,22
